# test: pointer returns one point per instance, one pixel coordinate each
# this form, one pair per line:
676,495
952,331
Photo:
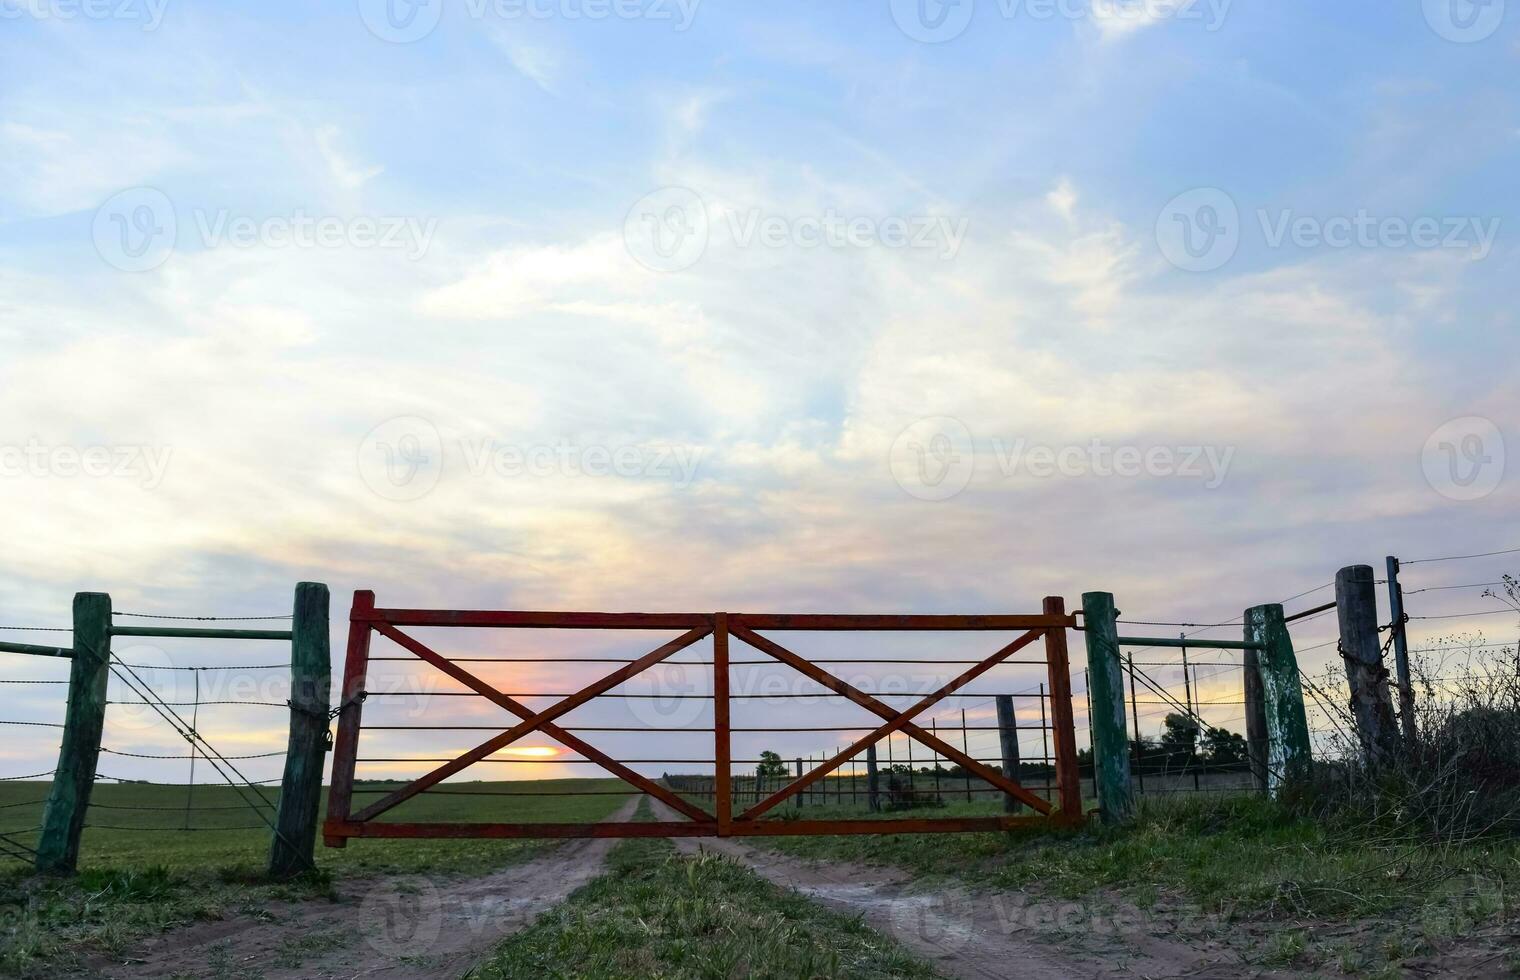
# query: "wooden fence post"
1256,721
1371,702
1110,739
1288,752
873,781
799,776
1401,653
1008,736
79,751
291,849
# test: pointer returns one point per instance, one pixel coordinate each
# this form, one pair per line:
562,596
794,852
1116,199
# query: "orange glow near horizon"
531,751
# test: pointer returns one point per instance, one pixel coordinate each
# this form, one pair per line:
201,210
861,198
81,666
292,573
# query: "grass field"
141,826
657,913
142,873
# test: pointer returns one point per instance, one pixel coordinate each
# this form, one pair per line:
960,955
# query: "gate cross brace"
896,720
533,722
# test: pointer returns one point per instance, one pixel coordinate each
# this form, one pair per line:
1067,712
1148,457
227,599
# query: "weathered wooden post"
290,851
1288,752
1008,736
1401,653
1105,678
69,798
1256,721
873,781
1068,777
1371,703
799,776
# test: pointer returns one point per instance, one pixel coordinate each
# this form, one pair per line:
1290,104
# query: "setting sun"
531,751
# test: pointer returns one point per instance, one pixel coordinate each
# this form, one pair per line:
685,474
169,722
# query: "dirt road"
998,935
415,927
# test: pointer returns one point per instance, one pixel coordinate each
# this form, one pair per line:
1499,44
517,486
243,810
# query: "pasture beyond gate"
1044,632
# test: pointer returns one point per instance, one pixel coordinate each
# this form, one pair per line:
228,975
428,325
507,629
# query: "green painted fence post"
1288,752
1110,736
291,849
79,752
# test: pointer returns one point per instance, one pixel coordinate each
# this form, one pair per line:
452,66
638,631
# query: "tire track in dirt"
411,927
988,935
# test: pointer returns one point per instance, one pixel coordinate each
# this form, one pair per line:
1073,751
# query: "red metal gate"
366,620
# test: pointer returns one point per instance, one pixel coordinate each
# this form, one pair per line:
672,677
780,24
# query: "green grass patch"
657,913
141,873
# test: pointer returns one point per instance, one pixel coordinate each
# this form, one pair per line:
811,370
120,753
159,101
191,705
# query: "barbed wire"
1486,554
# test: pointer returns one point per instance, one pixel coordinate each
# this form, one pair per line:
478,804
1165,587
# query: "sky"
668,305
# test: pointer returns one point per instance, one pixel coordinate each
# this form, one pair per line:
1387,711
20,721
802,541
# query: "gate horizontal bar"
199,633
739,828
35,650
537,620
1187,644
821,622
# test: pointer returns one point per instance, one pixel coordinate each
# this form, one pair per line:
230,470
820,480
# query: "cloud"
348,174
535,62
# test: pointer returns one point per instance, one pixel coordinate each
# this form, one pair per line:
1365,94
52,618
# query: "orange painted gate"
366,621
